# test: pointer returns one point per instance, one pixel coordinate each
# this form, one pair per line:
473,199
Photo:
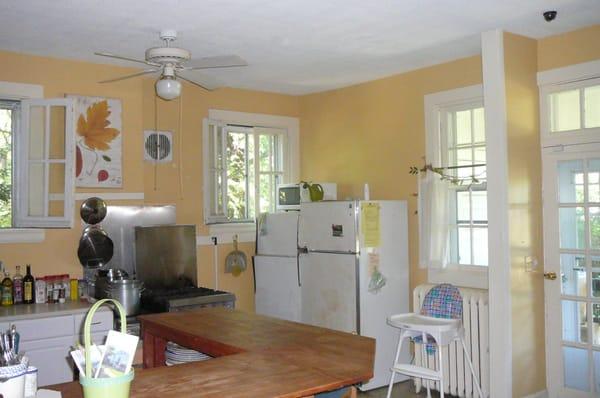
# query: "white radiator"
458,380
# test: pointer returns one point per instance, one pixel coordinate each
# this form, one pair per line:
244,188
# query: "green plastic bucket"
113,387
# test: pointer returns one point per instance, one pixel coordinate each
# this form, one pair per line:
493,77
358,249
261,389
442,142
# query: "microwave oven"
289,196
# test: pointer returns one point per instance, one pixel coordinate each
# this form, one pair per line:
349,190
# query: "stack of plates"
176,354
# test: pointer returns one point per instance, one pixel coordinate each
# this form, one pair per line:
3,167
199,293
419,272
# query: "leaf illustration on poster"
98,142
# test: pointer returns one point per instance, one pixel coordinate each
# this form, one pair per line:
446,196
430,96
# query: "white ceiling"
292,46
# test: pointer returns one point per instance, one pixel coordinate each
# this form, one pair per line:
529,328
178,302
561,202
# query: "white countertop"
35,311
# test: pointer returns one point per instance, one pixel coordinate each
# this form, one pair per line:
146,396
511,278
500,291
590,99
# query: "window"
570,112
243,166
575,109
456,141
36,163
9,111
463,132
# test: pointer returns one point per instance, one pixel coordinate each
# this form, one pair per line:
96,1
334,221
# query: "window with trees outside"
463,133
8,115
243,166
36,160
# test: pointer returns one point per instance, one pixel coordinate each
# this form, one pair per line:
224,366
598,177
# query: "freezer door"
328,226
277,290
328,290
278,234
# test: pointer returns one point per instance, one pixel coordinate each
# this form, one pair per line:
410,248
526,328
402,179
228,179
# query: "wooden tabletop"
256,356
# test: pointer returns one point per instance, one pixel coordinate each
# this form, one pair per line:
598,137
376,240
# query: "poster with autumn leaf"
98,142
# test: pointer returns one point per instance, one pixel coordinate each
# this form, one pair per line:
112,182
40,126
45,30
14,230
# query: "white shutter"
45,170
215,171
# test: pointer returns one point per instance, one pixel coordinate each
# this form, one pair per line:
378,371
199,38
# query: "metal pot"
128,292
104,277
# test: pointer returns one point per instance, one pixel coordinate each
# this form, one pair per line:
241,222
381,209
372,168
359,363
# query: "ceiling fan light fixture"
168,88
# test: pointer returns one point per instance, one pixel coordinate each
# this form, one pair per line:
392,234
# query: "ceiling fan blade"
126,58
221,61
144,72
206,82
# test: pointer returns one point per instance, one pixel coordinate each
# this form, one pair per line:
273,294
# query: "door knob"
550,275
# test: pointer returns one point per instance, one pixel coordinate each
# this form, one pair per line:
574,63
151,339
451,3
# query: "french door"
571,186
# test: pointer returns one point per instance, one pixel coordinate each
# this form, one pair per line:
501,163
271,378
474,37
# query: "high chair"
439,324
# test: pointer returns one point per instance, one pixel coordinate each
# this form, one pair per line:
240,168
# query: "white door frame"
554,148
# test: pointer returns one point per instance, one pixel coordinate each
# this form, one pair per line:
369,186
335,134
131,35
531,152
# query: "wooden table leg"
154,350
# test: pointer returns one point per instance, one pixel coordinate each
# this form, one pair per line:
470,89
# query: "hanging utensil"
235,262
93,210
95,247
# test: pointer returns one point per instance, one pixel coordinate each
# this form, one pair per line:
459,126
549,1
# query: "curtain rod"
430,167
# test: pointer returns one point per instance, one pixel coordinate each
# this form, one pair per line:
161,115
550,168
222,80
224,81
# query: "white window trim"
292,127
19,92
465,276
562,83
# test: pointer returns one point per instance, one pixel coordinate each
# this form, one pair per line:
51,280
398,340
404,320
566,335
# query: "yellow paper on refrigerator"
369,224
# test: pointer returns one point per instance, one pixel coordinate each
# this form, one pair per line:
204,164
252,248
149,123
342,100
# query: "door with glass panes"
572,269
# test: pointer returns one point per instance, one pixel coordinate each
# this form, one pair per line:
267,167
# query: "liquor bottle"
18,286
28,287
7,290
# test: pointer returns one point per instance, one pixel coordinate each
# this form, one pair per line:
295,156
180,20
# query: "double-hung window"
242,167
456,147
36,163
463,132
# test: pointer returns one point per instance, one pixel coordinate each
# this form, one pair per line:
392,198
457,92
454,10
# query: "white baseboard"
539,394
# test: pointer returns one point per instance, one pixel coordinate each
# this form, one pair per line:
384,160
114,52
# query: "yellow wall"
58,253
575,47
373,133
162,181
525,214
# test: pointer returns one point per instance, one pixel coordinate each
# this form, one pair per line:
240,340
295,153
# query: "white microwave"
289,196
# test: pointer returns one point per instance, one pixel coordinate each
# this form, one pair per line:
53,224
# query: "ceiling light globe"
168,88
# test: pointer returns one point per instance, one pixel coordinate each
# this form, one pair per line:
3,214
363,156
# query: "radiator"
457,377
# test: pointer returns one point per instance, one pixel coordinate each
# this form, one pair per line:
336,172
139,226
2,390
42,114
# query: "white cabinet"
47,342
51,357
45,328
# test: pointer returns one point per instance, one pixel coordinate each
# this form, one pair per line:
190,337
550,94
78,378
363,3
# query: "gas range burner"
184,298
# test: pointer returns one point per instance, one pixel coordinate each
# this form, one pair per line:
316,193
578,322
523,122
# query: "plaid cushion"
442,301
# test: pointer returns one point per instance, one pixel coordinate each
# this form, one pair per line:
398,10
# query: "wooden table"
256,356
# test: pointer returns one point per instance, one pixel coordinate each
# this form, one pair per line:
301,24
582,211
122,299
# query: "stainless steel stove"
177,299
184,298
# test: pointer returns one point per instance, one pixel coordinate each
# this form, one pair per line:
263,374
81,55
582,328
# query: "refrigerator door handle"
333,252
254,273
298,267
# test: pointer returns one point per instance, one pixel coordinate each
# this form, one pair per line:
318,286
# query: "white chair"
439,324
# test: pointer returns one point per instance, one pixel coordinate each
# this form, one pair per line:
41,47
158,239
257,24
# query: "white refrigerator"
276,278
339,273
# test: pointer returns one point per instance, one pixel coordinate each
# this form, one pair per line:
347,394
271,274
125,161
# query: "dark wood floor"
401,390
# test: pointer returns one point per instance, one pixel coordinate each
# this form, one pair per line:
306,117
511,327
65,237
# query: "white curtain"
434,210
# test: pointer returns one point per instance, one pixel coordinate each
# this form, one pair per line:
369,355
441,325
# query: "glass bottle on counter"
40,291
7,290
18,286
28,287
49,289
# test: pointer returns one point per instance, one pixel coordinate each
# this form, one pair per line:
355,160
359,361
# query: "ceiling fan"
172,63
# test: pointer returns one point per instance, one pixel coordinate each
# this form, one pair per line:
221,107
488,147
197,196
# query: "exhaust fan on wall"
158,146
